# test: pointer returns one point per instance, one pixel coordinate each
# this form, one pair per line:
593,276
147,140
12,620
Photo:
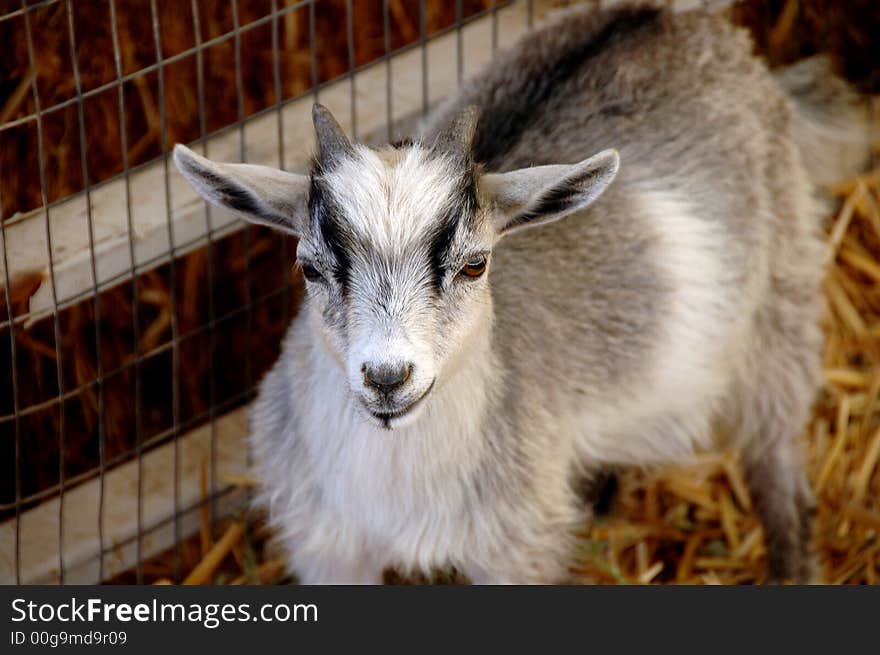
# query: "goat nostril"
407,372
387,378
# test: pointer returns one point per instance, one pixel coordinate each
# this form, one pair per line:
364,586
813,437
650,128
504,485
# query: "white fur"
392,197
373,482
667,416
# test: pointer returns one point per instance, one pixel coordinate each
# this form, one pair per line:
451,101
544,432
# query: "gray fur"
677,313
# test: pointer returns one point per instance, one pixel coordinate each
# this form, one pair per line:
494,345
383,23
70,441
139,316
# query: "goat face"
395,246
396,256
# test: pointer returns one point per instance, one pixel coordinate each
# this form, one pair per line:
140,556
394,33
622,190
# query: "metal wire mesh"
428,20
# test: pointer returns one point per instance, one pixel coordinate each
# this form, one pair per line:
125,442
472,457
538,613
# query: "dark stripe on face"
462,210
440,245
327,221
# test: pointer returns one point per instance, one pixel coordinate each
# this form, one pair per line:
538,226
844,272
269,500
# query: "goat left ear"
535,196
258,194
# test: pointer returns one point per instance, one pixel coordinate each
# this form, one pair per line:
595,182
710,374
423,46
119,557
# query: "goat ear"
258,194
543,194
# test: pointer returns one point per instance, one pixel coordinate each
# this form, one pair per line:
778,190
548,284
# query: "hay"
785,31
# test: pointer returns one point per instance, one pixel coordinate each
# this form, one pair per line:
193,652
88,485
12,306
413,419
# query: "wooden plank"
153,223
39,526
26,235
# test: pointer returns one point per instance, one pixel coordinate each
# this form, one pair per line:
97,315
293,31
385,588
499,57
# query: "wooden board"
185,226
80,534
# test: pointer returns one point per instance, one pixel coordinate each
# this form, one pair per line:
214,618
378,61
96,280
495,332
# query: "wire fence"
63,380
124,335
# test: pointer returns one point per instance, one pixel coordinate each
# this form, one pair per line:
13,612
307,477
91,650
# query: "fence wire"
142,355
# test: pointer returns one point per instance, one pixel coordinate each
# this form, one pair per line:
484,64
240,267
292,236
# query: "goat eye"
475,267
310,272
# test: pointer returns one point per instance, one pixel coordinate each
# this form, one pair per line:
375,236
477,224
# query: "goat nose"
386,377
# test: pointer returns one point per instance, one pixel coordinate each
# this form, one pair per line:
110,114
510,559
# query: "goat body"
675,313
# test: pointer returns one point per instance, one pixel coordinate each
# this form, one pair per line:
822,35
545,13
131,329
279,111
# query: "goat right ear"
258,194
542,194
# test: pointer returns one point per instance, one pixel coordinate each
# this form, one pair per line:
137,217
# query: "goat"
603,250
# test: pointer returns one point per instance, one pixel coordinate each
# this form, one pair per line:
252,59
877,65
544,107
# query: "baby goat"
455,374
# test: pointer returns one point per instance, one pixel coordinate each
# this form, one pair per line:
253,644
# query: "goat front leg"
538,570
335,568
545,558
330,555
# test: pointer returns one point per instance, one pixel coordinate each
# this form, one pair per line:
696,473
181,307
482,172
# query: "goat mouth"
387,417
